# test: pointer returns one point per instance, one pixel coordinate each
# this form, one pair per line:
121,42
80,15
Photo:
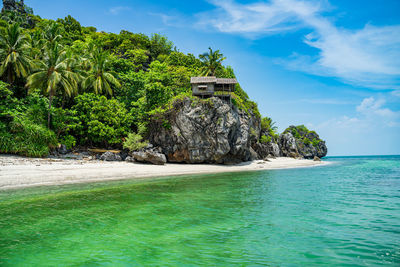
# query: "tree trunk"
49,114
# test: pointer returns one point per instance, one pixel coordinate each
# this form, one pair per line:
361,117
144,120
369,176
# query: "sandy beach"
19,172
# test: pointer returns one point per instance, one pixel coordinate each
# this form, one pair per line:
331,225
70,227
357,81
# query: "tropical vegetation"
65,83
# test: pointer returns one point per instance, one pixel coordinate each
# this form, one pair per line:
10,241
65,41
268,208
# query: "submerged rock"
210,131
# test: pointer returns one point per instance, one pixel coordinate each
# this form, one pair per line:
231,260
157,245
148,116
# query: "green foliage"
315,142
212,61
101,121
98,78
306,141
134,142
22,125
94,87
14,54
301,132
24,137
265,139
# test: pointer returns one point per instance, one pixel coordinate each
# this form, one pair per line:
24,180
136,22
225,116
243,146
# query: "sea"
346,213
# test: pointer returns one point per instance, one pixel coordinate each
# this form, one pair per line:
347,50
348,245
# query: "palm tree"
98,78
14,53
212,62
53,73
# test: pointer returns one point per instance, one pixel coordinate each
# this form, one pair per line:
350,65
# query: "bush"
23,137
101,121
315,142
265,139
134,142
306,141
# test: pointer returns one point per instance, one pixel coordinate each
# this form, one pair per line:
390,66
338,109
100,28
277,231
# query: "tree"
14,53
53,73
98,78
211,62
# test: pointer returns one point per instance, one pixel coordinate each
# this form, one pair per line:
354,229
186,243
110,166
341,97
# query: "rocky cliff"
205,131
298,141
212,131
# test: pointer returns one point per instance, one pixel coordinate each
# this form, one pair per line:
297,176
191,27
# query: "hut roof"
212,79
226,81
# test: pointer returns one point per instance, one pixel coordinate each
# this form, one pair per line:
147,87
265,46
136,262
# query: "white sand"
18,172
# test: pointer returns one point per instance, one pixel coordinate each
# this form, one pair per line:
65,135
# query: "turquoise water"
347,213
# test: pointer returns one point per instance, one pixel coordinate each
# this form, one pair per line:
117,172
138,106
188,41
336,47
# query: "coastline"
20,172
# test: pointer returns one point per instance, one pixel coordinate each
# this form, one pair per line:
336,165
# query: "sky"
333,66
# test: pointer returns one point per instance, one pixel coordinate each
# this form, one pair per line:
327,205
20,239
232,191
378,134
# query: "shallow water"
347,213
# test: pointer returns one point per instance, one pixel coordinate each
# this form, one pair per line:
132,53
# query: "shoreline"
19,172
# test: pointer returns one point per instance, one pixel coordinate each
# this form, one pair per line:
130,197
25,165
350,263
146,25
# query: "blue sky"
331,65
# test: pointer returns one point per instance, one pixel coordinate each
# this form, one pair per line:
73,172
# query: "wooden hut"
205,87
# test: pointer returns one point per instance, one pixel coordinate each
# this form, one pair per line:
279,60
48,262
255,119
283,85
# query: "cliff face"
210,131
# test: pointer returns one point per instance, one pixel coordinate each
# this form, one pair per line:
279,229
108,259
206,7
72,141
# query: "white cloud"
371,106
373,129
257,18
366,57
118,9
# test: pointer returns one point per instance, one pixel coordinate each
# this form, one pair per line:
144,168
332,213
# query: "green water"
347,213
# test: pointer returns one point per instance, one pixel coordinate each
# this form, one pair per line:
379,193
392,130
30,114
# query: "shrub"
315,142
265,139
23,137
134,142
101,121
306,141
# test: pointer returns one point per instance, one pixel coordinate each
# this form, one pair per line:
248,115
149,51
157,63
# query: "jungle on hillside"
63,83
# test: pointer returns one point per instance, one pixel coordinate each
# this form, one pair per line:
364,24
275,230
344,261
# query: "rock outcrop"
205,131
288,146
300,142
269,149
12,5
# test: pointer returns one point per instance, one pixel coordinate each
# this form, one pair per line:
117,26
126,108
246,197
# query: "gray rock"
317,158
124,154
288,146
274,149
205,132
130,159
62,149
150,157
264,150
109,156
